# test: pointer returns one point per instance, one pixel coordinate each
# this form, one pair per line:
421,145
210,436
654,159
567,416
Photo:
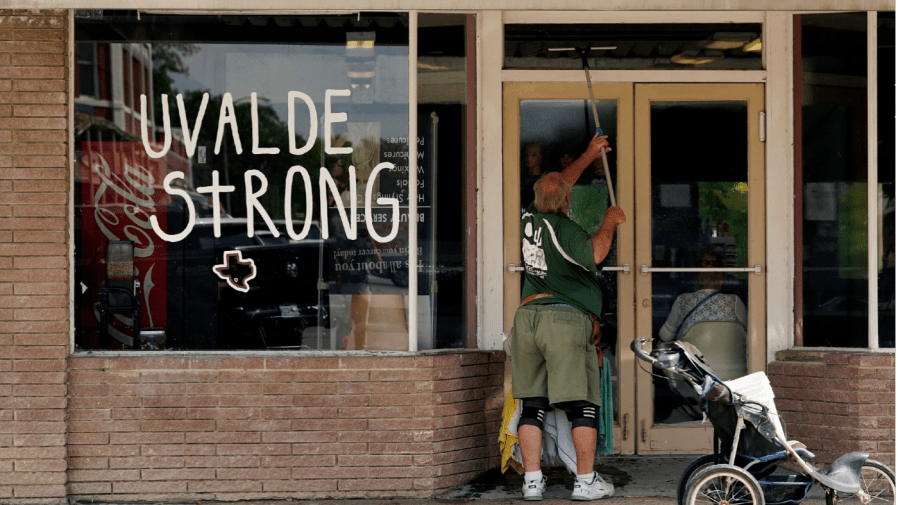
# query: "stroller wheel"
877,480
695,466
723,485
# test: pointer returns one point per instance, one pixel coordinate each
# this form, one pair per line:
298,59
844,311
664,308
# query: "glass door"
546,127
688,171
699,245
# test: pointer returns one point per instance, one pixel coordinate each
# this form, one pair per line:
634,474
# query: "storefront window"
833,176
445,117
264,205
701,46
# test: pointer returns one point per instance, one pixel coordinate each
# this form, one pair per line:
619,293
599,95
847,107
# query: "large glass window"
446,115
833,298
264,203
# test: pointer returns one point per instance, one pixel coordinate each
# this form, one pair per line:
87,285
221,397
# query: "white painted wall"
780,193
489,192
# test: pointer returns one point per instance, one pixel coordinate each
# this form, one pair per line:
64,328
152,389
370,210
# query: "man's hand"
594,149
615,216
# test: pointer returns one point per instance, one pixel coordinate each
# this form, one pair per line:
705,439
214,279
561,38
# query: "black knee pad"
582,413
533,411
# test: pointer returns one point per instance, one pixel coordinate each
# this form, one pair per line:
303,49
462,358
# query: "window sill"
818,353
265,354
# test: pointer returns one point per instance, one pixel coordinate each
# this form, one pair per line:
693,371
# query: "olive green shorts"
551,355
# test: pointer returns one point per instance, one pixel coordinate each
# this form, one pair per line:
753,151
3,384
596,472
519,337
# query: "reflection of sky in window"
564,122
274,70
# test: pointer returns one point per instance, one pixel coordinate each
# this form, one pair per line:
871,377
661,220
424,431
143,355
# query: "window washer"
553,360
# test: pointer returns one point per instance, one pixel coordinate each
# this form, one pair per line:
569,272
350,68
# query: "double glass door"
687,169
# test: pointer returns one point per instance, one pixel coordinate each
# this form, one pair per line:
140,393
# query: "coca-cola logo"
135,185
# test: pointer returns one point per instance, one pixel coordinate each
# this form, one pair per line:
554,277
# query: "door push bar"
625,268
645,269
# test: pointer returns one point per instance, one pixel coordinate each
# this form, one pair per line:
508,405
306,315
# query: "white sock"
586,479
533,476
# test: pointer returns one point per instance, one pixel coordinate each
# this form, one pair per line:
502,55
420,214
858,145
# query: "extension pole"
595,116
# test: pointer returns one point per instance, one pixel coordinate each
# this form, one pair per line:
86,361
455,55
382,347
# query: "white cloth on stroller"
756,387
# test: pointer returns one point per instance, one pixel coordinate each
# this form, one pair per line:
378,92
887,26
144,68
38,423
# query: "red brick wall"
259,427
34,273
837,402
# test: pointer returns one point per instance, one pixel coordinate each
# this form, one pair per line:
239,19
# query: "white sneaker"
534,489
597,490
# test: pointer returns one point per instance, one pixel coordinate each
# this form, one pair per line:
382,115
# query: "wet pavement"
632,476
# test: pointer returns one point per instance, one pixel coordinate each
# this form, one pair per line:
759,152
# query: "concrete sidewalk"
642,480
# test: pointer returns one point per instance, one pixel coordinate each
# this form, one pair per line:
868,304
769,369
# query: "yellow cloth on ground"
508,439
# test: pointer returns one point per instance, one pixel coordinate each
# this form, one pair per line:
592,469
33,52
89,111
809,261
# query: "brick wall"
837,402
34,273
261,427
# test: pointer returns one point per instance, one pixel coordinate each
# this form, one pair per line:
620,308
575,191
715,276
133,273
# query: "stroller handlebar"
672,360
636,347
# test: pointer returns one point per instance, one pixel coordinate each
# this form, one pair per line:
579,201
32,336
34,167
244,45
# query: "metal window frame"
872,183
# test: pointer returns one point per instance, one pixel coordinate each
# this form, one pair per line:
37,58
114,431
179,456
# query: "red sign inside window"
121,188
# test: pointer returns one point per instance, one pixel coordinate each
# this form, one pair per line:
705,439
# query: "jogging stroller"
750,444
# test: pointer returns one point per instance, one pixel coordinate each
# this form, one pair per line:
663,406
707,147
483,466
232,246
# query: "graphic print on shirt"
531,249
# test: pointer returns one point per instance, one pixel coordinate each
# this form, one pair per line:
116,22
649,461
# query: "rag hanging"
508,435
605,422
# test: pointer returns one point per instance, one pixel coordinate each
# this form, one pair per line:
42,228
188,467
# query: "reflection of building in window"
109,80
86,84
360,57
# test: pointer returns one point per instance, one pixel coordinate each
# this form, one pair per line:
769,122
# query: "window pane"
699,220
250,284
834,181
444,116
634,46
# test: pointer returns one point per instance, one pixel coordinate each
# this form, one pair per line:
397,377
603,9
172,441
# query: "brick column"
34,252
837,402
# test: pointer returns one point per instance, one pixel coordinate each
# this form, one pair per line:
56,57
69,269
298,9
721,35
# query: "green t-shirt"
558,260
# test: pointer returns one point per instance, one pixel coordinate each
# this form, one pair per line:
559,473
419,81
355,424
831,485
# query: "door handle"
625,268
625,432
645,269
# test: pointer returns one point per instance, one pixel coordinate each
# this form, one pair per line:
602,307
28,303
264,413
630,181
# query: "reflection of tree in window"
725,205
273,132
